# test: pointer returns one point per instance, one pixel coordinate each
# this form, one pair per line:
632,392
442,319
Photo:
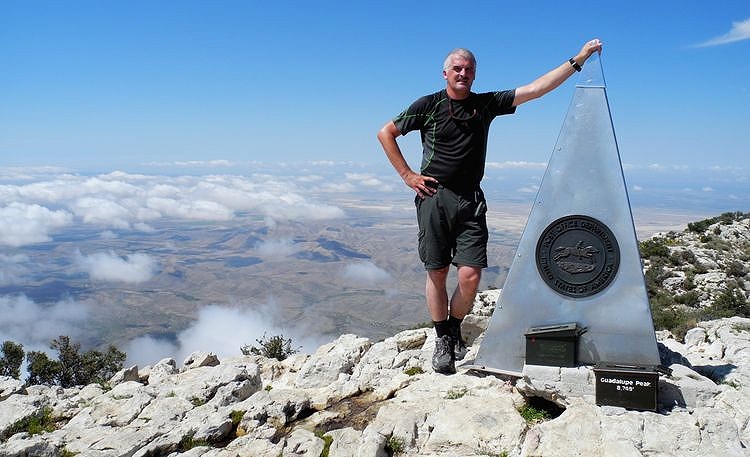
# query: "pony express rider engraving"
577,256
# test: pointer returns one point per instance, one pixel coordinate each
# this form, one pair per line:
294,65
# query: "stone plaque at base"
627,386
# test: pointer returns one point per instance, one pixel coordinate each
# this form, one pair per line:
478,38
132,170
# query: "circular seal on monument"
577,256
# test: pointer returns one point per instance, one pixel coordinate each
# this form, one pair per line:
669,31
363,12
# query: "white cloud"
338,187
310,178
276,249
194,163
205,163
222,330
147,350
34,325
24,223
529,189
365,272
12,267
108,266
108,235
102,211
516,165
738,32
120,200
364,179
192,210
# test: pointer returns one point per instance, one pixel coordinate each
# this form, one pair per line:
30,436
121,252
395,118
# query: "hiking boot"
460,348
443,359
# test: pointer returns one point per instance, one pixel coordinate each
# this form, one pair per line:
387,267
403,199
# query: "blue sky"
96,86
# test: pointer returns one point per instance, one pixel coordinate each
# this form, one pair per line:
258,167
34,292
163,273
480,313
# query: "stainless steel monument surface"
577,260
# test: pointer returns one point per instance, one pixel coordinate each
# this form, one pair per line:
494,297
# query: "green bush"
682,257
533,415
276,347
71,368
667,315
736,269
413,371
327,441
701,226
655,276
187,442
724,219
394,446
691,298
654,247
34,425
10,362
731,302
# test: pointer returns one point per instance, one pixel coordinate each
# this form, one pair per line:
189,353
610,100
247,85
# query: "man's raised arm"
556,76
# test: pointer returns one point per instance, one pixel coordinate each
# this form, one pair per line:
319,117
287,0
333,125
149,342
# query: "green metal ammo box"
553,345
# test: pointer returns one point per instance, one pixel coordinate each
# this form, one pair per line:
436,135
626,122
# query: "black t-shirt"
454,134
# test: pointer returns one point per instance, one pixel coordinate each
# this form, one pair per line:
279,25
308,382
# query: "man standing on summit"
454,124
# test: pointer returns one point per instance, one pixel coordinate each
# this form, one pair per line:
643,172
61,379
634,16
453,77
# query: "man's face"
460,75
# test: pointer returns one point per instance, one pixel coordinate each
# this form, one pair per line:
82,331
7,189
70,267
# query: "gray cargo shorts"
452,229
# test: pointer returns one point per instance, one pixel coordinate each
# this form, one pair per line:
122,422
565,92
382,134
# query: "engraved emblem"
577,256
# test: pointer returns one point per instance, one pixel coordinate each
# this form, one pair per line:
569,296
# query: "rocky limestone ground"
356,397
700,264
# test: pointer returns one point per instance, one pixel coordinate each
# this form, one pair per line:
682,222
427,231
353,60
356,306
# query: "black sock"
442,328
454,324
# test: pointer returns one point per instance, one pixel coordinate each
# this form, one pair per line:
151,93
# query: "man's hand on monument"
588,49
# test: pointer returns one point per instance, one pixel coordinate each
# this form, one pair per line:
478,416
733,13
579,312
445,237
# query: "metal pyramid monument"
578,259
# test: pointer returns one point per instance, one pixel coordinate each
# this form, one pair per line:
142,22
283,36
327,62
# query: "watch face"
577,256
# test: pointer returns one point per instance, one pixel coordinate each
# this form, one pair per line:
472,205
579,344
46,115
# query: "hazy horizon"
169,264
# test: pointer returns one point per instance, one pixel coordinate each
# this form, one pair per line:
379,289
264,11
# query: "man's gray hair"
462,52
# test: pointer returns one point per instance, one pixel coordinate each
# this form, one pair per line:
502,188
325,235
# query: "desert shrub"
744,249
691,298
655,276
42,369
701,226
537,409
673,318
682,257
413,371
736,269
327,441
11,360
717,244
394,446
654,247
699,268
730,302
35,424
533,415
276,347
689,282
724,219
72,368
732,216
188,442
